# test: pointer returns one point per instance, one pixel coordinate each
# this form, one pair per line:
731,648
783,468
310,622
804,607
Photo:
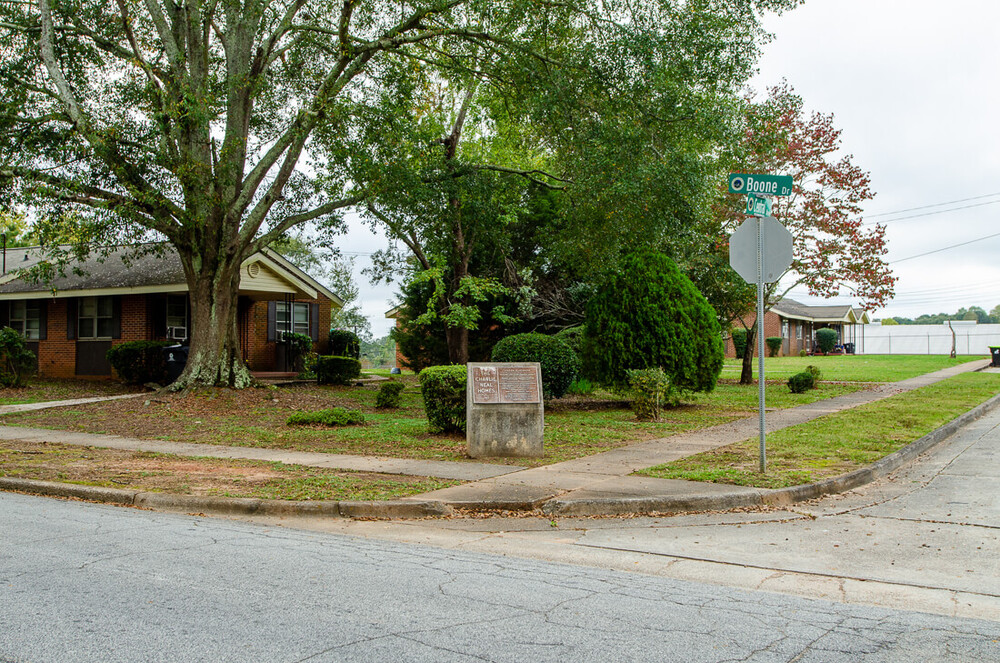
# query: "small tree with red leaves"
833,249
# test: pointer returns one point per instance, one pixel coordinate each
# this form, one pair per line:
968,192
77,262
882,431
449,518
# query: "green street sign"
765,185
758,205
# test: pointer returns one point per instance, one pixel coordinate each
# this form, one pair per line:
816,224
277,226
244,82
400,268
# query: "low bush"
336,370
740,342
773,345
443,389
650,390
573,337
560,365
337,416
801,382
389,395
344,343
139,362
17,362
581,387
815,372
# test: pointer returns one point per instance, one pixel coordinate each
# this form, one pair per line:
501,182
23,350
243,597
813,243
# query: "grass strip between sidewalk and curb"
836,443
212,477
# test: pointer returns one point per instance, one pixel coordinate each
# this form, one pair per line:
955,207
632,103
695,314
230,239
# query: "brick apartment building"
797,324
72,320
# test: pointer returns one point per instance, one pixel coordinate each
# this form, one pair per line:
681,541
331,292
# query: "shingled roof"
789,308
122,269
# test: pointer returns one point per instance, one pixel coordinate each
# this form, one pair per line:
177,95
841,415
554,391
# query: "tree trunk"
458,344
746,374
214,358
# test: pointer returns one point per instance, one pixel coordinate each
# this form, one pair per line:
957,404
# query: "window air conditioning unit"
177,333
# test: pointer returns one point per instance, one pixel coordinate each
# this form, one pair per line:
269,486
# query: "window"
177,312
798,331
95,317
26,318
292,317
784,329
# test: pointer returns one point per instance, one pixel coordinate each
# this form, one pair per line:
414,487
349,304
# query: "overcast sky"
914,86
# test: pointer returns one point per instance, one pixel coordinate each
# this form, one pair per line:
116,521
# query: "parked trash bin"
849,348
175,357
995,353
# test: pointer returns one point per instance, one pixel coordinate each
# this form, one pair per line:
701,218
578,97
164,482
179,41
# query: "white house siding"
970,339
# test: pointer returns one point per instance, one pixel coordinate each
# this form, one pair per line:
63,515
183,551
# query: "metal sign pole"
760,344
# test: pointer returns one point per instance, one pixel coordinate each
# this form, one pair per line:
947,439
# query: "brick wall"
57,354
772,327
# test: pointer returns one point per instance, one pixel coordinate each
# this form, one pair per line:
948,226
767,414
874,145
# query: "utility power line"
944,248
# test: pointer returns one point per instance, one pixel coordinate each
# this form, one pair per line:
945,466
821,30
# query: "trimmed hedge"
139,362
560,365
389,395
740,342
344,343
337,416
773,345
443,389
336,370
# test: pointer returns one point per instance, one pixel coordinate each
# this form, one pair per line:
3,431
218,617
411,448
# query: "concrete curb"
230,506
762,497
401,509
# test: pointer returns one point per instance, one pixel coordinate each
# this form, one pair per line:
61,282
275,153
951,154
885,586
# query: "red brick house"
797,324
72,320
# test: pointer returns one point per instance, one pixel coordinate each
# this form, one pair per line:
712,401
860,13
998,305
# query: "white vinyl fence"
970,339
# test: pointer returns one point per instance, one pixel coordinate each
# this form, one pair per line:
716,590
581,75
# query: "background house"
797,324
71,320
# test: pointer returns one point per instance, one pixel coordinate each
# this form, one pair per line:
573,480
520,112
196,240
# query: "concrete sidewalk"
598,484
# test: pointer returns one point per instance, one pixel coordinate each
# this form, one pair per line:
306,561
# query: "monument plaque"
504,409
485,383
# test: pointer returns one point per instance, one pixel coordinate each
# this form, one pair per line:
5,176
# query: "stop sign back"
776,251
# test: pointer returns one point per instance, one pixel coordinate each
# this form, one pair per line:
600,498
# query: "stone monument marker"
505,412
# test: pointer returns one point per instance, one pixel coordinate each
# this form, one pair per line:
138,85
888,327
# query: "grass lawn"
837,443
42,389
180,475
574,427
851,368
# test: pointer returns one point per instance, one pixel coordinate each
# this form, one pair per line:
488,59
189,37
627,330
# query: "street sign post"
758,205
765,185
760,251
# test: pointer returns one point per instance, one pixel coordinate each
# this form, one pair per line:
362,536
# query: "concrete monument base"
505,412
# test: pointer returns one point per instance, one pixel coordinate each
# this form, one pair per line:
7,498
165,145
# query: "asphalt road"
85,582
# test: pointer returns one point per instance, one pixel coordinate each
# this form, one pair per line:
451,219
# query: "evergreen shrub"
801,382
389,395
560,365
345,343
740,342
139,362
773,345
17,362
647,314
826,339
331,369
337,416
443,389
